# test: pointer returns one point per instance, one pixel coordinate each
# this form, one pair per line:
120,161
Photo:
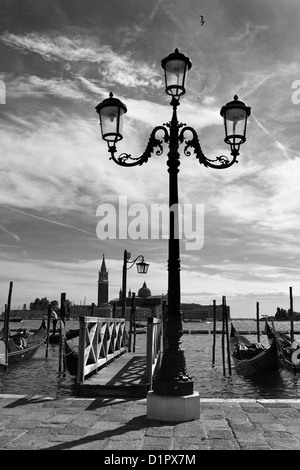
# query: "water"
40,376
211,382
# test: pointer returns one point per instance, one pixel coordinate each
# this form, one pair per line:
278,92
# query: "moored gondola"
21,346
253,358
55,338
71,359
289,349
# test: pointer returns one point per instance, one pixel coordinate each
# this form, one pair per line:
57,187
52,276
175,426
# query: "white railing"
154,347
101,340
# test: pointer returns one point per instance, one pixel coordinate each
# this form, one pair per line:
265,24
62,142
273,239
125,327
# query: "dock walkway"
106,364
126,377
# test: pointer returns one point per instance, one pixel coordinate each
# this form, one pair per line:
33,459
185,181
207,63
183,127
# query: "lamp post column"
172,378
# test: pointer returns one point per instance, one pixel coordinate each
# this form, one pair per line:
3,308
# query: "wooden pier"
126,377
106,368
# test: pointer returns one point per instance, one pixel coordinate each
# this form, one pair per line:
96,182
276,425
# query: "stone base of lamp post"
173,408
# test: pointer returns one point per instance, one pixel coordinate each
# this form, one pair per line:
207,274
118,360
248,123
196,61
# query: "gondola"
289,350
22,346
71,359
55,338
253,358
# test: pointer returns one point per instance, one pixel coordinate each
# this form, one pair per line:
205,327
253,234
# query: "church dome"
144,291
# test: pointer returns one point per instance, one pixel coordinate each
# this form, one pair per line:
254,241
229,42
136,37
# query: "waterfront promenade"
110,424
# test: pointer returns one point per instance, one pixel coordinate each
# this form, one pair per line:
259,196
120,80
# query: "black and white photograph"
149,227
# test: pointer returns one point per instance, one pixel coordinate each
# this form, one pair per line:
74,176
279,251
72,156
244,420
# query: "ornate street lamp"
172,378
235,115
111,113
142,268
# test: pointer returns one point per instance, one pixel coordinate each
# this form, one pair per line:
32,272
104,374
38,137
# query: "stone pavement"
110,424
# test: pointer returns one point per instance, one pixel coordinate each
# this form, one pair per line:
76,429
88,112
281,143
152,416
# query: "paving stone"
224,444
109,424
220,434
157,431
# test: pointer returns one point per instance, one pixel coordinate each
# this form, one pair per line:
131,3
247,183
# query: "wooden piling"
223,339
292,314
48,329
6,336
93,309
134,322
6,323
131,332
227,335
62,356
257,322
214,335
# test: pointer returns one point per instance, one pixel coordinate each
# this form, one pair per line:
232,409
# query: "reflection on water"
39,375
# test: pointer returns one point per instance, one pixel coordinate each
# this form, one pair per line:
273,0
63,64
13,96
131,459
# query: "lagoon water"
40,376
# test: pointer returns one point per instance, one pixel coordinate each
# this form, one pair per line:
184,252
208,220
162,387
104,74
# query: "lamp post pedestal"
170,408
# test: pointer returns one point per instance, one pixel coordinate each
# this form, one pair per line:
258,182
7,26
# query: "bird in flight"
201,20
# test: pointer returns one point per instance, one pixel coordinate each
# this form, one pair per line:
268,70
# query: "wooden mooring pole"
62,357
48,328
6,324
131,320
223,339
292,314
257,322
134,322
227,334
214,334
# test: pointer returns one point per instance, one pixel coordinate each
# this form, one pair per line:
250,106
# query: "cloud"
57,47
114,67
45,220
248,32
5,230
33,86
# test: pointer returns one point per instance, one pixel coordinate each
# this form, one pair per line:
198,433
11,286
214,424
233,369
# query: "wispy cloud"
279,145
5,230
57,47
33,86
44,219
114,67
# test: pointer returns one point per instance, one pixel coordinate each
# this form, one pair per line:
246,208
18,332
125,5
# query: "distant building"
145,304
103,284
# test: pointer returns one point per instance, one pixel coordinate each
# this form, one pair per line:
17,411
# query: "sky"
59,59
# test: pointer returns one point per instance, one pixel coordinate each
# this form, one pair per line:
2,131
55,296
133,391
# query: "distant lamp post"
172,378
142,268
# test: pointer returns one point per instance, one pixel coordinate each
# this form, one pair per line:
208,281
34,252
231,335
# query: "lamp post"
142,268
172,378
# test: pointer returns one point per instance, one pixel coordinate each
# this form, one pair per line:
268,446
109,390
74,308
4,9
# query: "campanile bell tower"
103,284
